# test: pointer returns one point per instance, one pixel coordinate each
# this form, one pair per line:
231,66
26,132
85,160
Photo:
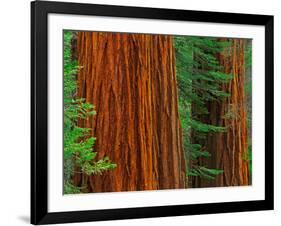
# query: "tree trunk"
131,81
229,149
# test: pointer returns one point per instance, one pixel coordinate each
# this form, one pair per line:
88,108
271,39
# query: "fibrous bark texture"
131,81
229,149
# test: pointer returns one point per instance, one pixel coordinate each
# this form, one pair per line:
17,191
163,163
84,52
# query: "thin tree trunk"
131,81
229,149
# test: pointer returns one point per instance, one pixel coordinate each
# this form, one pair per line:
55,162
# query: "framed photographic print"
145,112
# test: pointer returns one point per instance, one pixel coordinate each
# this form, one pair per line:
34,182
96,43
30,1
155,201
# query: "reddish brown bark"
131,81
229,149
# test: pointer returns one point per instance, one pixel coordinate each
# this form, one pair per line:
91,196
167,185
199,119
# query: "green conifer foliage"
248,92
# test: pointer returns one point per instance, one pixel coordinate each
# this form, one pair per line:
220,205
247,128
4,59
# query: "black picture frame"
39,112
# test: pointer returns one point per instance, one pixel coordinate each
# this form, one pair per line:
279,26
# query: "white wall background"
15,113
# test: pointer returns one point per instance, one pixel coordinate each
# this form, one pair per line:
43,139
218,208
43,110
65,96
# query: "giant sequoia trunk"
229,149
131,81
